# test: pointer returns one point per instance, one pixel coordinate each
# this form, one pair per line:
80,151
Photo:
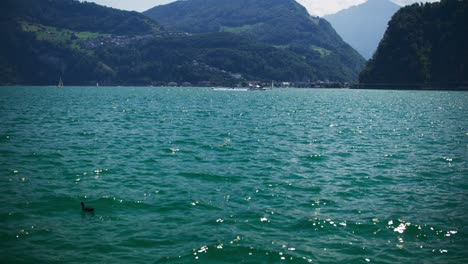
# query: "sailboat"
60,84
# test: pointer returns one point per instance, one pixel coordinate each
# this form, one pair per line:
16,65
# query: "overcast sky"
315,7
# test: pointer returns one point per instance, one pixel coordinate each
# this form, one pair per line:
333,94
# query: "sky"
315,7
326,7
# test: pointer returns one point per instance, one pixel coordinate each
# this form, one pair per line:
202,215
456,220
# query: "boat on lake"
257,88
60,84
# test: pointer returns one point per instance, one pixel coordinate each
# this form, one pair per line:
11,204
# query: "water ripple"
192,175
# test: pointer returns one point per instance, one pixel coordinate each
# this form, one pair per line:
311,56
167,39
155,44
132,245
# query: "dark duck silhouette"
86,208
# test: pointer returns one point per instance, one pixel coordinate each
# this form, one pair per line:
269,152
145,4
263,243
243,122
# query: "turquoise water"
200,176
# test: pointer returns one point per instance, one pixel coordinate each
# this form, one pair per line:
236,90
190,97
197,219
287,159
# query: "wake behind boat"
229,89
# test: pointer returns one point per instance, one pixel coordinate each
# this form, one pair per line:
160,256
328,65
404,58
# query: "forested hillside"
77,16
285,24
43,40
425,46
85,44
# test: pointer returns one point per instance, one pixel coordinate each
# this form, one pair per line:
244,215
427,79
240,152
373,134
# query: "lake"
185,175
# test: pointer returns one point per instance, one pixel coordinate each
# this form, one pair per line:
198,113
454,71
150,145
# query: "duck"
86,208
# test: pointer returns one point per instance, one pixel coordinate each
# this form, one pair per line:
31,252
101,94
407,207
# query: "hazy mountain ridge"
424,46
363,26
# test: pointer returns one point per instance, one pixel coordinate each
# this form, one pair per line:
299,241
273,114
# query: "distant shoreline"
425,87
354,87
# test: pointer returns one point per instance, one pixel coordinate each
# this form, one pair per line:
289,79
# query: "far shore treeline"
86,44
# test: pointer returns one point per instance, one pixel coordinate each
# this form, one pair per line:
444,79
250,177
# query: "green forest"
284,24
85,44
425,46
223,43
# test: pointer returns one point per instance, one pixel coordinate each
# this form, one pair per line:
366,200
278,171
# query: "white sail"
60,84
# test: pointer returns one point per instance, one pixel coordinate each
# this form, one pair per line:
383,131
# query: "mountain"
84,43
284,24
363,26
41,39
424,46
78,16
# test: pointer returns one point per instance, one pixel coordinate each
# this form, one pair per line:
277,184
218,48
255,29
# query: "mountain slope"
363,26
41,39
282,23
78,16
424,46
214,57
83,48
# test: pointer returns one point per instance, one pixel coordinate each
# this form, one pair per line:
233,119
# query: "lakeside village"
239,80
259,84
